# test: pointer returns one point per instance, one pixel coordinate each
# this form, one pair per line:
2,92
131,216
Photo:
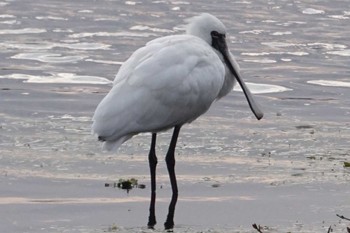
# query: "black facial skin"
219,43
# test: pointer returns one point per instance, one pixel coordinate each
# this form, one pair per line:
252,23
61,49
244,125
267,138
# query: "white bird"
167,83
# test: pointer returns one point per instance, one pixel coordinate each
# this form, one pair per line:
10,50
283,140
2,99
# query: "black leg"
170,162
152,159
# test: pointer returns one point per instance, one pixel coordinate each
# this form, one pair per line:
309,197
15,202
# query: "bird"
168,83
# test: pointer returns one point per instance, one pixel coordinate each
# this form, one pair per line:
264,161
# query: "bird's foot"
151,222
169,225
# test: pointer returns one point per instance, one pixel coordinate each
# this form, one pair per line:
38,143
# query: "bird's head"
207,27
212,30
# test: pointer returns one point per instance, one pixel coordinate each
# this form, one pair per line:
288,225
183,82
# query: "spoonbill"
169,82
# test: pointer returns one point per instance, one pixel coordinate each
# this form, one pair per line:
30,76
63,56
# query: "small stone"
141,186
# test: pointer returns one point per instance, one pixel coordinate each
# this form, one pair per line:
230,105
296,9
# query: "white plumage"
167,83
171,81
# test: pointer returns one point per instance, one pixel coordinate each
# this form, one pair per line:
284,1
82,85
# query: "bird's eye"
215,34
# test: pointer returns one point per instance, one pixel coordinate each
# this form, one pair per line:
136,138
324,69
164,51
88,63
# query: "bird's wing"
168,82
143,53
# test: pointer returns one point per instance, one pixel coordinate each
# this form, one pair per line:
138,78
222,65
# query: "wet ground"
285,172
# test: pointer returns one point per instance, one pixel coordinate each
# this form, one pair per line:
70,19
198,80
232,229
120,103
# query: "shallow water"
285,172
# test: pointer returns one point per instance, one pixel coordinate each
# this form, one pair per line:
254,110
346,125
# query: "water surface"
285,172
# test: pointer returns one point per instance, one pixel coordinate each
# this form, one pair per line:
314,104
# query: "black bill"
219,42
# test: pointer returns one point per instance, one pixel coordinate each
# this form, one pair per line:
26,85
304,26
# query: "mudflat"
287,172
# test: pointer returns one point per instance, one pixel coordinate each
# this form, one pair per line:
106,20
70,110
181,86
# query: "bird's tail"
115,144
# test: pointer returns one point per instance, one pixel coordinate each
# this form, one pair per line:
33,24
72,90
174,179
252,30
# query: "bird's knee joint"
153,160
170,161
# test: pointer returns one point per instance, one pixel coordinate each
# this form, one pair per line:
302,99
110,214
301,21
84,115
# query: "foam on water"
59,78
330,83
258,88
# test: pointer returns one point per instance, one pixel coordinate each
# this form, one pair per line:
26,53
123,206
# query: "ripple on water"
59,78
143,28
258,88
105,61
180,3
330,83
315,45
10,22
344,53
22,31
132,3
51,18
277,44
338,17
46,46
263,61
281,33
112,34
275,53
312,11
28,46
84,46
327,46
86,11
6,16
255,32
289,23
48,57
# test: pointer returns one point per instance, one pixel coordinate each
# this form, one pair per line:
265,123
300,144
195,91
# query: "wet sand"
285,172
